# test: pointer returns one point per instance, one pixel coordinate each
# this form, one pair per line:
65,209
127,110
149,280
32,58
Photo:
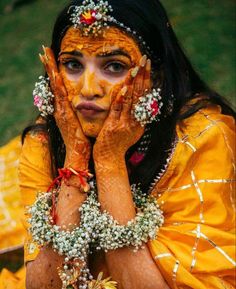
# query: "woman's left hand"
120,130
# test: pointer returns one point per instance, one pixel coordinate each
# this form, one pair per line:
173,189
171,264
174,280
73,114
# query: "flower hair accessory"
93,16
43,97
149,107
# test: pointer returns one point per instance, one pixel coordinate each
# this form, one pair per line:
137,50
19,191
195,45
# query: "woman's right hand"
78,147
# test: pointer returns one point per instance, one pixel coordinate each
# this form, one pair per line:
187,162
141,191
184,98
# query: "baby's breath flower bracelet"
97,230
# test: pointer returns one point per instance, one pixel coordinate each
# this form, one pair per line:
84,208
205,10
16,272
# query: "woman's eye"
73,66
115,67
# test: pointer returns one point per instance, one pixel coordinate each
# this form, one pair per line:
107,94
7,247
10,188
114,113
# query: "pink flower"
155,108
37,101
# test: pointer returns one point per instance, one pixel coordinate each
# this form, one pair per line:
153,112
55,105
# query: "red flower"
155,108
88,18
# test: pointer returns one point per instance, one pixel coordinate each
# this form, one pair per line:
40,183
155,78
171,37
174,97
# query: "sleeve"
34,176
195,248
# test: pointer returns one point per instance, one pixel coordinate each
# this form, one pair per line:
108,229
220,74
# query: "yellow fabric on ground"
9,280
12,231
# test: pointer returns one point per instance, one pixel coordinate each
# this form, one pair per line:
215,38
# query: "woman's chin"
91,130
91,134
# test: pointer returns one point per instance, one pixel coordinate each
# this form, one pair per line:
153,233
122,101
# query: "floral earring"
43,97
148,109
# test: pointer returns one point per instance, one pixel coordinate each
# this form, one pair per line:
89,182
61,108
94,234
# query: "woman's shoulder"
207,130
35,164
208,118
36,135
205,142
35,148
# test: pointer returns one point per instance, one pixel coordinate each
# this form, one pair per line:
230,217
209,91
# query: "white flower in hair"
91,16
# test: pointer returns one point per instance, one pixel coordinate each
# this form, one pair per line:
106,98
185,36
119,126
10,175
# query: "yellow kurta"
195,248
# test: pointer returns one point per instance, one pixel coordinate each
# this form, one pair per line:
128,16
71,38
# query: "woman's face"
91,68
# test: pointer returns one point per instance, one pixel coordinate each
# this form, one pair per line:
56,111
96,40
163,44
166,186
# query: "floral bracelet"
97,230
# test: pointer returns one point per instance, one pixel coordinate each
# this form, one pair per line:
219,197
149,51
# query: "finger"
51,74
138,84
49,63
131,75
127,102
56,81
115,110
51,59
147,76
60,88
117,104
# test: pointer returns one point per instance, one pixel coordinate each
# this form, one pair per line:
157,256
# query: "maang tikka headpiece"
93,16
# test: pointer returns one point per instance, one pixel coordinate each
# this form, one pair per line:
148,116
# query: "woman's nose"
90,85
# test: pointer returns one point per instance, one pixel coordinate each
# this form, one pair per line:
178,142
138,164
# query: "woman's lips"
88,109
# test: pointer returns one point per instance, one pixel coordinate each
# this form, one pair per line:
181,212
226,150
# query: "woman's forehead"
112,39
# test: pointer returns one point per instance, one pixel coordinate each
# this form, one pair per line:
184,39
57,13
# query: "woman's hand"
78,148
120,130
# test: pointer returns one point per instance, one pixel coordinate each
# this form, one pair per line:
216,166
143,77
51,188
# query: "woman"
130,110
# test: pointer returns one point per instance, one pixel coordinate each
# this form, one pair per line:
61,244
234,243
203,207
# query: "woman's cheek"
112,88
73,87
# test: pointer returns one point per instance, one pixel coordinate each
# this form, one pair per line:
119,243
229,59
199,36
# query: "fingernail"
41,58
45,53
53,75
124,90
143,61
134,71
148,65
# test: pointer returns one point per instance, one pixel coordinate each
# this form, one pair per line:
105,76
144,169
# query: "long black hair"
179,82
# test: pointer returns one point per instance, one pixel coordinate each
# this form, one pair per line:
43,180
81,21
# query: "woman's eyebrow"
73,53
100,55
114,53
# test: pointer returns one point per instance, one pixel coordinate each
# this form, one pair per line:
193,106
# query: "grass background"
206,29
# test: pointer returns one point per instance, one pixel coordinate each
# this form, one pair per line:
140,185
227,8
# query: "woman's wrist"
69,201
111,162
76,162
114,190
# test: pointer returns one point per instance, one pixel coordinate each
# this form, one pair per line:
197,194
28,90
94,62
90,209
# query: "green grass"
206,29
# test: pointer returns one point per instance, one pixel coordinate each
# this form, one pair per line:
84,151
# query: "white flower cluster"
148,108
97,229
91,17
43,97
